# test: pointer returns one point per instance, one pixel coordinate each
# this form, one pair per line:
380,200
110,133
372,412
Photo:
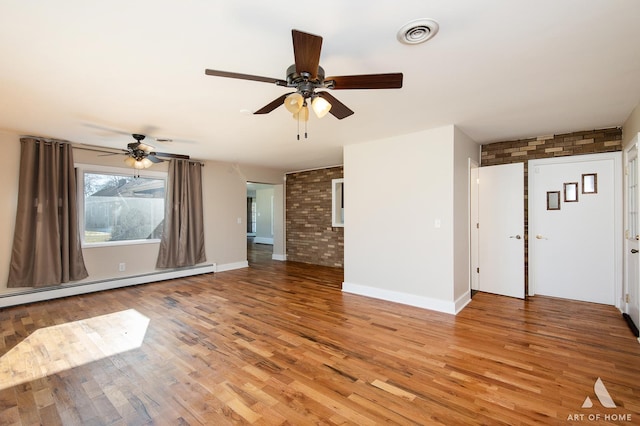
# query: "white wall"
464,149
264,206
9,173
224,196
400,219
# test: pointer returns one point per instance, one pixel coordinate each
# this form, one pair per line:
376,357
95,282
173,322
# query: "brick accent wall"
520,151
587,142
309,234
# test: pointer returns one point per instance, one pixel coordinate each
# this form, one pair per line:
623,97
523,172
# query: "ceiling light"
302,114
143,163
297,103
138,163
417,31
320,106
293,102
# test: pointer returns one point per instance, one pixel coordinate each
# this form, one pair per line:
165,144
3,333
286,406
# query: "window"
118,208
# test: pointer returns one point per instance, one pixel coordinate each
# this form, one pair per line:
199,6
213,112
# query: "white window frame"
81,169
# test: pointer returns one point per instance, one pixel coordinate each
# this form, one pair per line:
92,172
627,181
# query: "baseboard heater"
632,326
30,295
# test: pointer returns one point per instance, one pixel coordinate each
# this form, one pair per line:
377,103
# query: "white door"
501,229
575,246
632,235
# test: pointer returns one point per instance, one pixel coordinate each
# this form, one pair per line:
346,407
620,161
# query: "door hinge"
627,299
477,226
477,270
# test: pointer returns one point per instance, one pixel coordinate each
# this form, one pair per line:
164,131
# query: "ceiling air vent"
417,31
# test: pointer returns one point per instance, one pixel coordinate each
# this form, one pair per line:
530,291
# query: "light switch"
437,223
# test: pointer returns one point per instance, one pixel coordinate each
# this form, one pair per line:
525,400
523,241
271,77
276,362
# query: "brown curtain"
46,242
182,242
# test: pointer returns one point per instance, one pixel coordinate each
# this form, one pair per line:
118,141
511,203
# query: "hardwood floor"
278,343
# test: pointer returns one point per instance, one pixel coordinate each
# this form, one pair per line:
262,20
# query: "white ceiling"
94,71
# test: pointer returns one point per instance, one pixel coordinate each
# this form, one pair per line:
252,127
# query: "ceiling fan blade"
306,51
169,155
217,73
108,130
272,105
338,109
367,81
152,157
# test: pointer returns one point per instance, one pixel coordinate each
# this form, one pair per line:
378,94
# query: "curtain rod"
45,140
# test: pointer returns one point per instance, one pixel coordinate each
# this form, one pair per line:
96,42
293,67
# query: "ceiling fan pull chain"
305,129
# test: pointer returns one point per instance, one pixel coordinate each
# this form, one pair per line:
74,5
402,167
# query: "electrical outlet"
122,267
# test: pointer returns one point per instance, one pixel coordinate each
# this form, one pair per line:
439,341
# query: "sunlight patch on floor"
57,348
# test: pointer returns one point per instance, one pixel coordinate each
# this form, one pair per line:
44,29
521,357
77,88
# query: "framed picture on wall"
590,183
553,200
571,192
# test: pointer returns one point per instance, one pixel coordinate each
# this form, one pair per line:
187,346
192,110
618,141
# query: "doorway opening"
260,220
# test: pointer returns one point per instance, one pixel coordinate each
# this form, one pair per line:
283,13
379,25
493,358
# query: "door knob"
517,237
634,251
541,237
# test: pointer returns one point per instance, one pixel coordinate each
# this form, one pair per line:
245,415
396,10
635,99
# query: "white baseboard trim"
398,297
232,266
72,289
462,301
263,240
281,257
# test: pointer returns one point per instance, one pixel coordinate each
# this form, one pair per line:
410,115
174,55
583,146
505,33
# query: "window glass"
120,207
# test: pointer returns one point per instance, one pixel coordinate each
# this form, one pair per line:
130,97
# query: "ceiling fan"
307,77
142,156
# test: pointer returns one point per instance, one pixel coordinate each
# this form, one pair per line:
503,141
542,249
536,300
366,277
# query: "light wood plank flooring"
279,343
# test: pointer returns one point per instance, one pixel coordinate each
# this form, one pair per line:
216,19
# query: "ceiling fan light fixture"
302,115
417,31
138,164
130,161
320,106
293,102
